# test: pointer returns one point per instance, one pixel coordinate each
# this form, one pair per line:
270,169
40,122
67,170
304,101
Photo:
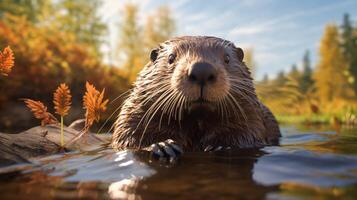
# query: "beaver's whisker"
151,107
153,114
165,106
169,106
241,93
248,90
161,100
238,106
155,110
220,108
240,86
159,107
121,95
231,105
181,108
223,109
155,91
172,107
178,105
109,118
249,99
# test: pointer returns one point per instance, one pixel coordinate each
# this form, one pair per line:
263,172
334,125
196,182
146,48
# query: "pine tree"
294,72
265,79
329,76
349,48
306,81
280,79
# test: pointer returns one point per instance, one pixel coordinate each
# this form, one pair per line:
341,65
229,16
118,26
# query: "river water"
310,163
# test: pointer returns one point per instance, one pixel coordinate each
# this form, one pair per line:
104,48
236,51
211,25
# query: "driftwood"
40,141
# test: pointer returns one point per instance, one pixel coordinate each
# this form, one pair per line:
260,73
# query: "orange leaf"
40,112
94,104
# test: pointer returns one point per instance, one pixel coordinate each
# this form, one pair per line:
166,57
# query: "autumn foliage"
323,93
6,61
39,110
45,57
94,104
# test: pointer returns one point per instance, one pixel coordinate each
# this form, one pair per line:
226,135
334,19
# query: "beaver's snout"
202,73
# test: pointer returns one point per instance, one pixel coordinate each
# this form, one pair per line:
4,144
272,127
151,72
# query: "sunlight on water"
307,165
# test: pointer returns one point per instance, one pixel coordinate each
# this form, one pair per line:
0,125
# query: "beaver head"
197,91
201,74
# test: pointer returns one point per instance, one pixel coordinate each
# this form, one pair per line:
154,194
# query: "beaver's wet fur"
197,91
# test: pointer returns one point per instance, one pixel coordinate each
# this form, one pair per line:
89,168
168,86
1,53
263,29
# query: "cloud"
248,30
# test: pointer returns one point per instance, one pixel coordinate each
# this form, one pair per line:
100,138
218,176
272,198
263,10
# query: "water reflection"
307,165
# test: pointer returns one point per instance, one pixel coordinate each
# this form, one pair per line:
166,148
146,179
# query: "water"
319,164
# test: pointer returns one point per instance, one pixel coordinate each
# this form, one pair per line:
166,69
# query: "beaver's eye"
172,58
226,59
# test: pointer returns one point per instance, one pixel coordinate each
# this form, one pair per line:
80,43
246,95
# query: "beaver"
195,94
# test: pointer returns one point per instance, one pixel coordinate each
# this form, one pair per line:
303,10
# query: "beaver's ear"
153,55
240,53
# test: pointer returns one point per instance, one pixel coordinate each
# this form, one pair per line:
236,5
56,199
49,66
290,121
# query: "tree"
80,17
294,72
280,79
162,25
159,27
329,76
249,60
130,43
265,79
349,49
34,10
306,81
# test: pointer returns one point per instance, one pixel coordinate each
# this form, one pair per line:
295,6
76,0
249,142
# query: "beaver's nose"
202,73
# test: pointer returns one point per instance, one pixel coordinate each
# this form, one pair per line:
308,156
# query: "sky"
278,31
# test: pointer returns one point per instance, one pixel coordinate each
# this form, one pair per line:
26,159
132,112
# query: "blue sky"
279,31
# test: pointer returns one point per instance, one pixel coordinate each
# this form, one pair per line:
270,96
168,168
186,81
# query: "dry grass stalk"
40,112
94,103
6,61
62,100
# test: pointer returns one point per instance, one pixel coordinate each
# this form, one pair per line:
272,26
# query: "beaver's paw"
210,148
167,149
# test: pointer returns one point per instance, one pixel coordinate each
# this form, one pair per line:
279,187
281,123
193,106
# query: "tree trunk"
40,141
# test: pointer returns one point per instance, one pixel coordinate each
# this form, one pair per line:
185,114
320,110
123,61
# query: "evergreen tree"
265,79
349,48
329,76
280,79
294,72
306,81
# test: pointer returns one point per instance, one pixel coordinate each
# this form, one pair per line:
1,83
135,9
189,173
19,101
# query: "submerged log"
40,141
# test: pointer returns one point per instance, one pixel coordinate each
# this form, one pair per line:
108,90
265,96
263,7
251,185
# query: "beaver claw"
210,148
167,149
